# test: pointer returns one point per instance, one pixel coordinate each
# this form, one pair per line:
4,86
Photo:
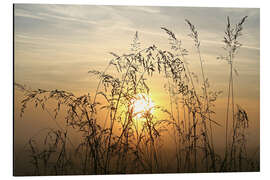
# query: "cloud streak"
80,34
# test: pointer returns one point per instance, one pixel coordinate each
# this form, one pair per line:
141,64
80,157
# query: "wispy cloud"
26,14
83,34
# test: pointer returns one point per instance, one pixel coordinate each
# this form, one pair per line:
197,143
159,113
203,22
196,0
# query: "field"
158,108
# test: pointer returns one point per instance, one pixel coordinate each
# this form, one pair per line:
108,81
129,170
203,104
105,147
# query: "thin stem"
227,119
208,113
114,117
195,140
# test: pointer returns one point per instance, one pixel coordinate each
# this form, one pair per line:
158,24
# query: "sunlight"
141,104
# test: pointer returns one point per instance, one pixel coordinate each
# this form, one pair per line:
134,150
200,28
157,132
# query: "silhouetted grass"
119,143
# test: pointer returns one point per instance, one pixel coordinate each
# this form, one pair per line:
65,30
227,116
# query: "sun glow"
141,105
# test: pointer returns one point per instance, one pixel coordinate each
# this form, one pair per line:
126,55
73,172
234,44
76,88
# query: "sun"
140,105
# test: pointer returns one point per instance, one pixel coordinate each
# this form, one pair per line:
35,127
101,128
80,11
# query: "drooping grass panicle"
112,140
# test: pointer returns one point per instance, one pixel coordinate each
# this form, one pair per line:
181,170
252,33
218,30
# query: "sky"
56,45
60,43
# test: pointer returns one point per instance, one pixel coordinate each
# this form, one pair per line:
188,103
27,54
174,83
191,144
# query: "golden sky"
56,45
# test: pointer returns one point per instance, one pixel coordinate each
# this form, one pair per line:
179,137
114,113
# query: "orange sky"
56,45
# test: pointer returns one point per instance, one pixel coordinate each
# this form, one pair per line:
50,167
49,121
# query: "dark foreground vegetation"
120,143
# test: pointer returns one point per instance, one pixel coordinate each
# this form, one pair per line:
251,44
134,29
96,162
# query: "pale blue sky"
56,45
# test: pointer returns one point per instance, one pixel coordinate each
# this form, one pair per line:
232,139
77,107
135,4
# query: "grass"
120,143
